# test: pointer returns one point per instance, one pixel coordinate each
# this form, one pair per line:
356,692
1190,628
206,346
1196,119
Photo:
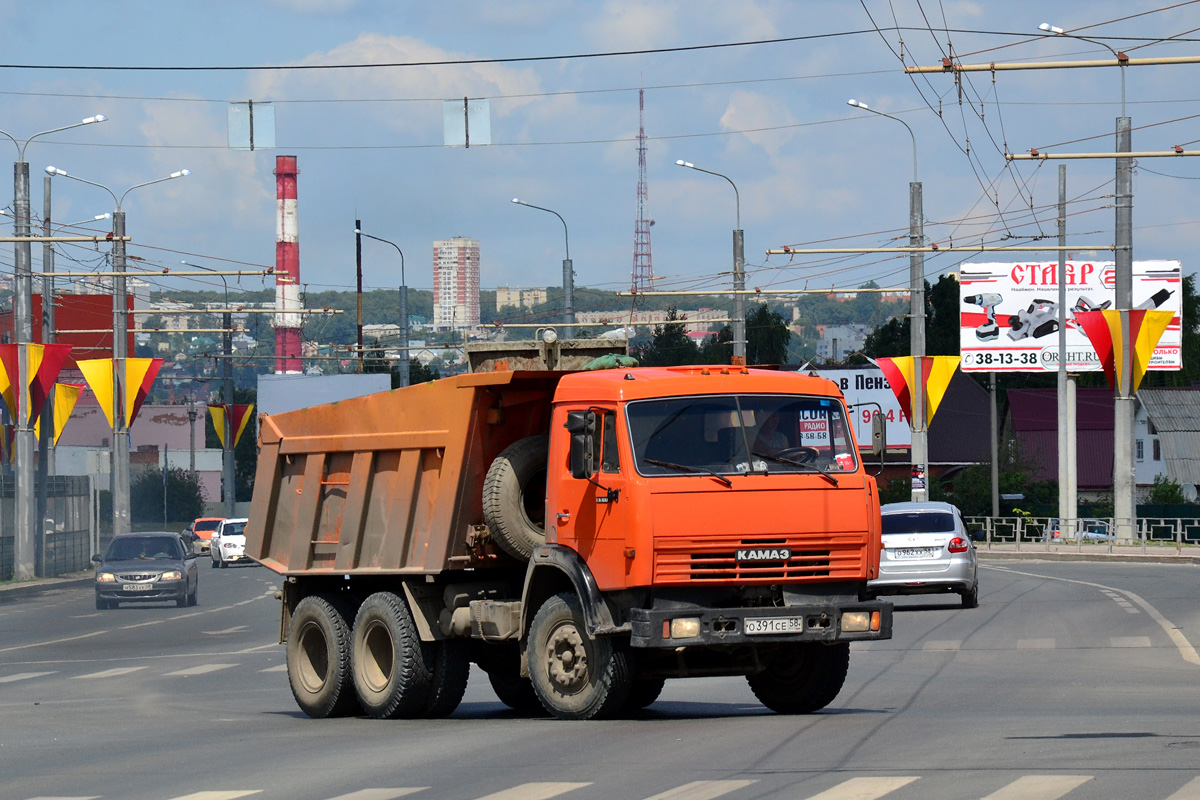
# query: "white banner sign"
1009,313
867,393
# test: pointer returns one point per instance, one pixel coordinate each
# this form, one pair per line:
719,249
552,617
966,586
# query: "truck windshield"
739,434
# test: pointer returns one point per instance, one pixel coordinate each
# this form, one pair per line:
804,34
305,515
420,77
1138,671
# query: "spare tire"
514,496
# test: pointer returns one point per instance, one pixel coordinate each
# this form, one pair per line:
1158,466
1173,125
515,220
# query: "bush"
184,496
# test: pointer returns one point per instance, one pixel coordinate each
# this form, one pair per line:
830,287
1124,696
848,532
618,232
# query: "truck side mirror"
878,436
582,427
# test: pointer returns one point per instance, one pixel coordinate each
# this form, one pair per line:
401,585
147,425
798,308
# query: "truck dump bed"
390,482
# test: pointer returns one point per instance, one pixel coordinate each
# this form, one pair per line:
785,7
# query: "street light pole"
1124,484
26,539
916,328
568,274
120,439
404,376
739,266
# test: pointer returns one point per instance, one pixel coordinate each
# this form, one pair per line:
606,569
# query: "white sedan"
229,542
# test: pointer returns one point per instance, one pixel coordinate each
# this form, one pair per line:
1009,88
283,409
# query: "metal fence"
1151,533
69,532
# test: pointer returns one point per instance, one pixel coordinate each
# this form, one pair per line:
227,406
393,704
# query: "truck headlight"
856,621
685,628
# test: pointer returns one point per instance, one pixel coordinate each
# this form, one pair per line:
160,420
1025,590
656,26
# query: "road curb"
1124,558
10,591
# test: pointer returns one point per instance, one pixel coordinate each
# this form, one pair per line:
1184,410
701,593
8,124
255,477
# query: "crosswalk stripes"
864,788
701,790
1039,787
534,791
23,676
82,797
108,673
219,795
276,668
1190,791
203,669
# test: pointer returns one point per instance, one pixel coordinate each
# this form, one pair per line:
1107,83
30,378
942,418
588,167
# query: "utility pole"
46,437
1124,487
192,437
916,275
230,432
358,263
120,441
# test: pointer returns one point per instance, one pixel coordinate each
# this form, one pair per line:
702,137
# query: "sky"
770,115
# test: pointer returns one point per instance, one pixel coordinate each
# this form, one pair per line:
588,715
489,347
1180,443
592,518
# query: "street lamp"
26,544
916,310
120,439
228,475
404,376
739,266
1124,485
568,273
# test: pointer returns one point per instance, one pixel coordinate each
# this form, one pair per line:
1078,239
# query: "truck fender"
551,568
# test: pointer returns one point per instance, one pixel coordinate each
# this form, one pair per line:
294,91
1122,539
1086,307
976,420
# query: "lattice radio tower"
643,263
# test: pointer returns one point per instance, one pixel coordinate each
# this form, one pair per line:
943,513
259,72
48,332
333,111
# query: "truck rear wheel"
451,669
393,669
514,496
802,678
574,675
318,659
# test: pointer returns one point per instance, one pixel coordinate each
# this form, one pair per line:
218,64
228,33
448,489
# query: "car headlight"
105,577
172,575
228,544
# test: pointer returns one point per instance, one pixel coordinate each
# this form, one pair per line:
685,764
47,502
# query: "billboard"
1009,313
867,393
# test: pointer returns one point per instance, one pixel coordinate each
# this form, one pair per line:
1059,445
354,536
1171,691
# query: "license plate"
138,587
914,552
774,625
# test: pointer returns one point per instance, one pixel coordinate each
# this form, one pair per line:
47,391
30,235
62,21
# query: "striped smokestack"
287,269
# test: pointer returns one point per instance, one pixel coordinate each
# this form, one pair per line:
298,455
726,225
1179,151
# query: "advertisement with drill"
1009,313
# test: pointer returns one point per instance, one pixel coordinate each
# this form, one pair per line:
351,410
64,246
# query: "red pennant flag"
241,416
10,379
52,358
133,366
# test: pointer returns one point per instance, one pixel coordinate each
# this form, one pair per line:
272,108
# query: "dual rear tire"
344,662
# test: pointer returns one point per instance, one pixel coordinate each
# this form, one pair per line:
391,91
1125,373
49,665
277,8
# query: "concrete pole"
1064,522
46,437
1124,488
120,441
916,268
358,266
405,378
739,286
568,299
25,525
192,438
995,420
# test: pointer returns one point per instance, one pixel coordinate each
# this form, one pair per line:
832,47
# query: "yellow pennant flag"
66,395
218,417
98,372
937,379
1150,329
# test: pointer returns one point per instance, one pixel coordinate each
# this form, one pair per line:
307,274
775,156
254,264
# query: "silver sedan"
926,550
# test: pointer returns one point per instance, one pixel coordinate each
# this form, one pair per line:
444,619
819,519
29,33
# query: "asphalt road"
1073,680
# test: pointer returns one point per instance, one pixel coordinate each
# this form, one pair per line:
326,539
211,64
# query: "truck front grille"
813,558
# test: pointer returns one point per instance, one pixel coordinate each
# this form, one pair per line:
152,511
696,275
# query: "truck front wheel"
393,668
318,658
802,678
574,675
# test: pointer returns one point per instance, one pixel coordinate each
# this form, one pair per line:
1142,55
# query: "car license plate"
914,552
138,587
774,625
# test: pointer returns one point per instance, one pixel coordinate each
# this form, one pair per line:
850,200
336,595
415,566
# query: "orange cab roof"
646,382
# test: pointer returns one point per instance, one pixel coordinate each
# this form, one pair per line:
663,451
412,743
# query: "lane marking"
1129,641
1039,787
203,669
864,788
280,668
379,794
227,630
88,797
534,791
1186,651
24,676
217,795
701,790
108,673
1190,791
52,641
948,644
1036,644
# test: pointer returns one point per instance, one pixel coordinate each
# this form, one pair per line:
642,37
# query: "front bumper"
727,626
159,591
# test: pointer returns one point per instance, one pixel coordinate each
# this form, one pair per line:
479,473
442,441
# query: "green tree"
419,373
767,336
892,338
184,496
670,345
717,348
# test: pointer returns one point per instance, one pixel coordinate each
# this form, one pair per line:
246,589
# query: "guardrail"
1091,532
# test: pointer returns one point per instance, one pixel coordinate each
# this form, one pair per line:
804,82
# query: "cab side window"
609,462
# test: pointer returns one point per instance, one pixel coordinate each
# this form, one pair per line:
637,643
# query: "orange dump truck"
581,536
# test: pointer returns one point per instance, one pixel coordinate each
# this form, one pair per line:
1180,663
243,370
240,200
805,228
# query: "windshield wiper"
801,464
685,468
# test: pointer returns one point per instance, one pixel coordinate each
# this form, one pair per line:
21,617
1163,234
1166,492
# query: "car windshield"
207,524
234,529
918,522
141,548
736,434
